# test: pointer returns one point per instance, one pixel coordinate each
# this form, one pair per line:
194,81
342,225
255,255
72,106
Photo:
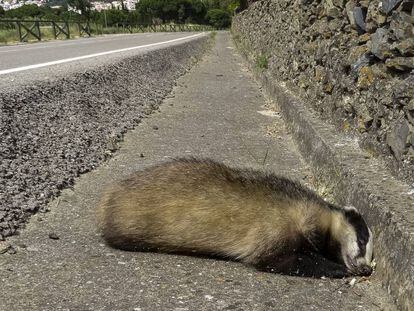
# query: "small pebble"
155,127
11,250
4,248
53,236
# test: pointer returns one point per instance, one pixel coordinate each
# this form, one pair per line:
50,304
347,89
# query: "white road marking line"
24,49
54,44
67,60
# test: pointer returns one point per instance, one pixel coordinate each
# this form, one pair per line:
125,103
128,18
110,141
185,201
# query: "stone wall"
352,61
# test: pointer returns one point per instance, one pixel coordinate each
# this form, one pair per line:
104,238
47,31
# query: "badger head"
352,241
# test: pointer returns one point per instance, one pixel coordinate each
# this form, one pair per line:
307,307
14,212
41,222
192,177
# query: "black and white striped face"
357,244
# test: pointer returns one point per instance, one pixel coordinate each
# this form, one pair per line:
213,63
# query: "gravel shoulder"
69,121
217,111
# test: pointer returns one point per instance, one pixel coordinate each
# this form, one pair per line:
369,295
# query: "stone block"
387,6
400,63
405,47
397,138
380,44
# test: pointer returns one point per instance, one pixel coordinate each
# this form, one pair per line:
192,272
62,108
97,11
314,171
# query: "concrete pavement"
216,111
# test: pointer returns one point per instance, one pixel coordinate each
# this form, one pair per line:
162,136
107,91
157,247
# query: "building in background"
96,5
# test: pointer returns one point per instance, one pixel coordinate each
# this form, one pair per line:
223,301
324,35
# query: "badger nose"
365,270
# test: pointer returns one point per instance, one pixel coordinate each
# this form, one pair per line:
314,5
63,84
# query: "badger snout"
356,267
364,270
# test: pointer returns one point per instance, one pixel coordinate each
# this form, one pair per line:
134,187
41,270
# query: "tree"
198,11
27,10
223,4
243,5
134,17
178,11
84,6
70,15
2,12
150,9
219,18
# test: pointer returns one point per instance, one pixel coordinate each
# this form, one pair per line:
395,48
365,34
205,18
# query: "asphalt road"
216,111
18,57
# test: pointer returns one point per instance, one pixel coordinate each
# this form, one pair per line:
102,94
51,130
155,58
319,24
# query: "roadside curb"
358,180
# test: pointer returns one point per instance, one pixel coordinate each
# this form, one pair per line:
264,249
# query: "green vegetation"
84,6
262,62
179,11
216,13
7,35
218,18
213,12
33,11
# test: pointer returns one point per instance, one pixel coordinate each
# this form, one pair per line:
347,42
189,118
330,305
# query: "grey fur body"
204,207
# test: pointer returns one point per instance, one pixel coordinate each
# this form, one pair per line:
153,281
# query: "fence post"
68,31
37,25
88,27
19,27
54,29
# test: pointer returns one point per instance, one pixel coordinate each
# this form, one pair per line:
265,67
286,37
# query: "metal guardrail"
26,28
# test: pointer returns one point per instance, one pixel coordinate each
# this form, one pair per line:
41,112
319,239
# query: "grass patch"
11,35
262,62
213,34
8,35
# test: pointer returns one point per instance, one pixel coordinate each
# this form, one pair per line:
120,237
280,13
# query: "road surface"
31,56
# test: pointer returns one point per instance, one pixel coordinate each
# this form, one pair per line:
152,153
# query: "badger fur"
203,207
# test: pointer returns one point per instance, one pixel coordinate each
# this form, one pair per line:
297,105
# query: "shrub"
218,18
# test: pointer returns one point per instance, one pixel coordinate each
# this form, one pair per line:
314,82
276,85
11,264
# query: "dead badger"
203,207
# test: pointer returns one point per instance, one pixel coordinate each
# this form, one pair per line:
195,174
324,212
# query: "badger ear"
350,208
